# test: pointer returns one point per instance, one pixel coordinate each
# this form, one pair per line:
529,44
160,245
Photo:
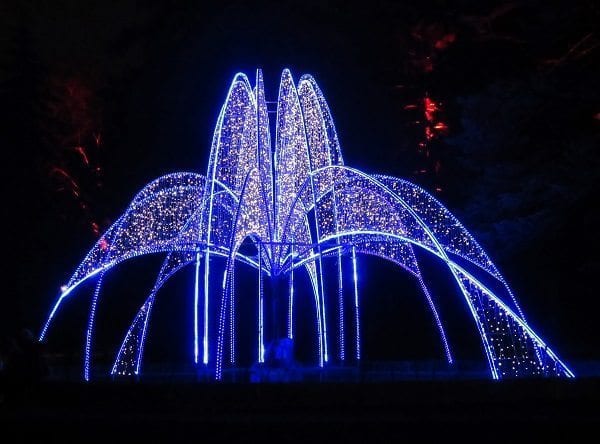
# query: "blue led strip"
437,319
290,324
261,337
90,329
221,327
196,298
205,306
342,351
232,315
268,191
356,305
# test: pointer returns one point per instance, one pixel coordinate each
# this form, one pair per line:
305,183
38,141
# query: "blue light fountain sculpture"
298,204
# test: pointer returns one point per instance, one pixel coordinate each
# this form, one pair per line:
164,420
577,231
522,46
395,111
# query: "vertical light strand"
323,317
205,334
261,345
291,295
221,325
90,329
138,363
356,308
438,321
232,314
312,274
196,294
342,351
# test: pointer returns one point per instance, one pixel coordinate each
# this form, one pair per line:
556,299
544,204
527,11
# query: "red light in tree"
445,41
73,133
84,156
430,108
428,133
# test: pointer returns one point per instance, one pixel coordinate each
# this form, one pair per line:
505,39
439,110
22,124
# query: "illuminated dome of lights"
298,204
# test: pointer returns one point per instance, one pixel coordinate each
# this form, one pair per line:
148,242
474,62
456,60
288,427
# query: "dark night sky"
518,88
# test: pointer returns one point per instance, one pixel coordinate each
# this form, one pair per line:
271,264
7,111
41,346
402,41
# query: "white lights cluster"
300,205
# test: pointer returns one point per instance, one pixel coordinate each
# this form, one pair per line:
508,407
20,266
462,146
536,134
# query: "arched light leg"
129,358
196,300
90,329
485,301
489,352
356,307
60,299
438,321
52,313
138,361
508,319
342,351
520,312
